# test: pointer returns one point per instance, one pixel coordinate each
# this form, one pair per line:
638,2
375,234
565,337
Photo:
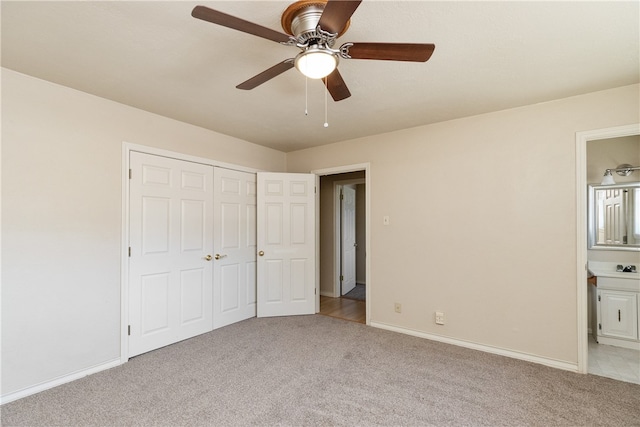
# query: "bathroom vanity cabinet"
618,311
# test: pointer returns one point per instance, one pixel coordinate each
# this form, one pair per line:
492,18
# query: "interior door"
615,228
286,244
348,238
234,271
170,273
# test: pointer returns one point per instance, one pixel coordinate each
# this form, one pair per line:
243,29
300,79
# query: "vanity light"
622,170
608,178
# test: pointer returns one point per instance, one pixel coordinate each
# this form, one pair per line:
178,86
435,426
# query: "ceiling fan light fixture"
316,63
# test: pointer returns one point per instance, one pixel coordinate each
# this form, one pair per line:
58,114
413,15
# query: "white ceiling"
489,56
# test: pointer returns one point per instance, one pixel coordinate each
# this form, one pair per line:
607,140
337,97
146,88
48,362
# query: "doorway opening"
343,212
613,358
596,150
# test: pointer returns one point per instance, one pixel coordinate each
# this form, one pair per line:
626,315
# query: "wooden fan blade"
336,14
336,86
266,75
415,52
216,17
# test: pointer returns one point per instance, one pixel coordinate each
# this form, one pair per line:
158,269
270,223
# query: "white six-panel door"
194,239
286,244
170,278
234,272
348,238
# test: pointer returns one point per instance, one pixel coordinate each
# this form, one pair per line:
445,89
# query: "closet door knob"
208,257
261,253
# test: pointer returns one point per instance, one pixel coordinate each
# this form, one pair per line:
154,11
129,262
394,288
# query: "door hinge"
600,326
341,196
341,277
128,329
129,251
130,173
599,298
315,292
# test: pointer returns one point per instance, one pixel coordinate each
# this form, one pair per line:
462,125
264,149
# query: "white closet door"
234,271
348,238
170,278
286,244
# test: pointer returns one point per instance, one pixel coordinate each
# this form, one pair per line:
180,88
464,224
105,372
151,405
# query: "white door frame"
124,257
337,219
366,167
582,138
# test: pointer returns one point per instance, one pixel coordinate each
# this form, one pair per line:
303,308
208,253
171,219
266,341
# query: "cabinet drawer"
632,285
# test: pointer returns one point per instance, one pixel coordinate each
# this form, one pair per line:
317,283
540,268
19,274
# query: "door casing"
366,167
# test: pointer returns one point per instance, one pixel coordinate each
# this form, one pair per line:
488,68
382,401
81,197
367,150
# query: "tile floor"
614,362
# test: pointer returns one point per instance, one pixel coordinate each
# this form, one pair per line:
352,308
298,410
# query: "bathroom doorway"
601,150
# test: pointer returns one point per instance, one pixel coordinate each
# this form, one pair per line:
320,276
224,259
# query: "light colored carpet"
316,370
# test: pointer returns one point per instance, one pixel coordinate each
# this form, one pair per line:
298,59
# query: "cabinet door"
618,314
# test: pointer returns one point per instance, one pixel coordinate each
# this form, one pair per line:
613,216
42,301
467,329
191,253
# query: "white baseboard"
632,345
327,294
567,366
10,397
361,283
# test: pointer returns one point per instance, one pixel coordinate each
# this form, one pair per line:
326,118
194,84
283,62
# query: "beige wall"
605,154
482,221
61,220
482,216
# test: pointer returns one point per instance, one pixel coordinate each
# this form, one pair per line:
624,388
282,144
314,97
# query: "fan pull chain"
326,121
306,96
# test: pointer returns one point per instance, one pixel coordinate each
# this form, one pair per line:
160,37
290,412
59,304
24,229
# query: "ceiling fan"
313,26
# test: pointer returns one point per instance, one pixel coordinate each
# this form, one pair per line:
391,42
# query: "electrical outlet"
439,318
398,307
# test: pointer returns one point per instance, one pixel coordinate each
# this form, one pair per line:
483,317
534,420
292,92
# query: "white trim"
326,294
317,228
366,167
124,256
632,345
189,158
128,147
58,381
567,366
581,229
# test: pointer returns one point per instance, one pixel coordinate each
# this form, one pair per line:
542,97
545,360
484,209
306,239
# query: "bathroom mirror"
614,216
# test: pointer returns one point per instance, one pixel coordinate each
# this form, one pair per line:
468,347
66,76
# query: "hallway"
343,308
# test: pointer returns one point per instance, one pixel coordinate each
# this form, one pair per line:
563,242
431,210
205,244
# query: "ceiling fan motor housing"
305,26
301,19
